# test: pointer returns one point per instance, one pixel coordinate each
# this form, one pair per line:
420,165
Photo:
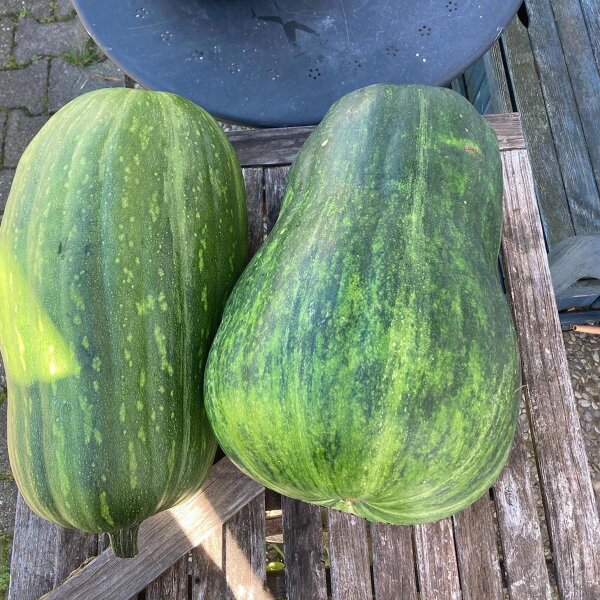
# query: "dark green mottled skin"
367,359
123,235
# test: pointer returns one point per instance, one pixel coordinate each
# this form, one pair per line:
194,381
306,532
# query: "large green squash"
367,359
124,232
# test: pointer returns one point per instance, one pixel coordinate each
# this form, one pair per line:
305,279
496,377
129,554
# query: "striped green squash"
124,232
367,359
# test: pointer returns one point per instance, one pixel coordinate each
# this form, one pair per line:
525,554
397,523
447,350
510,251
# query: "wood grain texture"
268,147
272,147
208,568
477,551
520,534
563,115
164,538
349,555
44,554
531,105
591,12
33,555
255,204
303,550
393,562
437,568
508,130
571,511
275,180
73,548
583,75
245,567
172,584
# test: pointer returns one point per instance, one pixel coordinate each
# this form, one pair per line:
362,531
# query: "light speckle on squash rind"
89,291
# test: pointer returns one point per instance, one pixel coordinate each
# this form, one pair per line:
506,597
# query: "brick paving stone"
10,7
40,9
6,35
20,130
47,39
64,8
4,463
25,88
8,505
68,81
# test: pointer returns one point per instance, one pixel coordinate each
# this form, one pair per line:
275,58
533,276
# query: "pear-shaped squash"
367,359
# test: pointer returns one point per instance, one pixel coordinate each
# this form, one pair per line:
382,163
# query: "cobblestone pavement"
46,59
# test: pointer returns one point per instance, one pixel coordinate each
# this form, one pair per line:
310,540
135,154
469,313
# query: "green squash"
124,232
367,359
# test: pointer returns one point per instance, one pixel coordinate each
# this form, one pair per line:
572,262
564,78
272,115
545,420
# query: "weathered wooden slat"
584,77
73,548
393,562
33,555
245,567
530,103
268,147
591,12
436,561
257,148
349,555
477,552
254,183
208,568
275,179
565,120
164,538
44,553
497,81
571,512
103,542
172,584
303,550
520,534
508,130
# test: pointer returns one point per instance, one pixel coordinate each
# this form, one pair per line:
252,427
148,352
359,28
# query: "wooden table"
496,543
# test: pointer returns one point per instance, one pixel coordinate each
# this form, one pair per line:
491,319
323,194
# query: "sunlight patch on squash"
32,347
